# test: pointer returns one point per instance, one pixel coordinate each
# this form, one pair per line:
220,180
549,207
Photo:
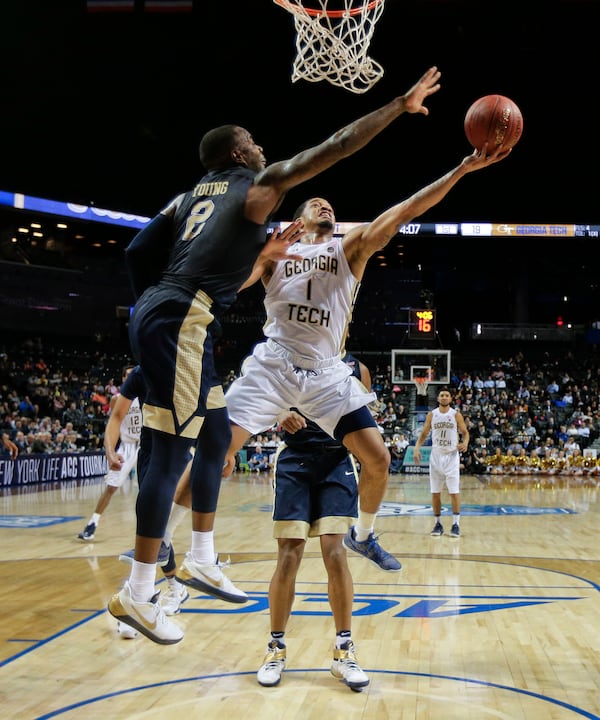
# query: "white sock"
95,518
178,512
141,581
203,547
456,519
365,525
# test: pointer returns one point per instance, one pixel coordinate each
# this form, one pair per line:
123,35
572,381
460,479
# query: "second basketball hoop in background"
332,41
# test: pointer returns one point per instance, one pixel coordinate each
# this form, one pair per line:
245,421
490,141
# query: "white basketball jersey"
444,431
131,425
309,302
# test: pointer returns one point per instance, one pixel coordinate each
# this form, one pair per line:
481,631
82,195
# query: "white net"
332,41
421,384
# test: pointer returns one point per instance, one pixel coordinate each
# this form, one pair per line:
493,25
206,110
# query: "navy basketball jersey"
215,246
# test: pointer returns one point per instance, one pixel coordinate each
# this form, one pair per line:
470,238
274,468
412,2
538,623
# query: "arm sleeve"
147,254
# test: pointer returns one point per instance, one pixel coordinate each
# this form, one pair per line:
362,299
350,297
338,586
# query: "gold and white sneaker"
146,617
125,631
269,673
174,598
345,667
210,579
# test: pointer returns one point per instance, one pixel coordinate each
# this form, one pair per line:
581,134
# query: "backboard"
431,365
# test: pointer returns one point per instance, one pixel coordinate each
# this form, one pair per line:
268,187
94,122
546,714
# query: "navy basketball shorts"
315,492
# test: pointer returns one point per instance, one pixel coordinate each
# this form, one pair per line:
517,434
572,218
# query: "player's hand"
427,85
277,246
292,421
115,461
376,407
229,465
482,158
275,249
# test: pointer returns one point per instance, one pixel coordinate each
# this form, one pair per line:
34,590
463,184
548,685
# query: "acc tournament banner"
30,469
408,463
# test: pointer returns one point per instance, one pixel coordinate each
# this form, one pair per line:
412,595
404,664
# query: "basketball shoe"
269,673
146,617
162,560
88,532
210,579
174,598
345,667
125,631
371,550
438,529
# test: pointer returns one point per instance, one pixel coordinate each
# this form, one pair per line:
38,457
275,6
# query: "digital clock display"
421,323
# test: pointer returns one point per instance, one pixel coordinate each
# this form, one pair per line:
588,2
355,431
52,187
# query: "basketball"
494,119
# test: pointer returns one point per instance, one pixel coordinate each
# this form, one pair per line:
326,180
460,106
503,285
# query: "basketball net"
421,384
332,44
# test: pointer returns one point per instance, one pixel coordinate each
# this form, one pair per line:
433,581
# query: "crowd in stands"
525,418
53,401
522,416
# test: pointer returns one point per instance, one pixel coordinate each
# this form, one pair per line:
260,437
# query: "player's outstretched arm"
276,179
351,138
368,239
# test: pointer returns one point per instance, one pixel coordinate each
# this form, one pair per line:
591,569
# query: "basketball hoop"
332,44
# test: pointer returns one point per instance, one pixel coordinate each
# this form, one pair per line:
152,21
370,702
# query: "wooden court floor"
502,623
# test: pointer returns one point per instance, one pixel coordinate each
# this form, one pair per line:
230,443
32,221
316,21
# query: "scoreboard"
74,211
480,229
489,229
421,323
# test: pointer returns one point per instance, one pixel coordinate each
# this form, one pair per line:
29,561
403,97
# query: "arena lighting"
75,211
19,201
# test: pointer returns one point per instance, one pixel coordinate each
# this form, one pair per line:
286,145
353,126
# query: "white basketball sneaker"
209,579
147,617
125,631
174,598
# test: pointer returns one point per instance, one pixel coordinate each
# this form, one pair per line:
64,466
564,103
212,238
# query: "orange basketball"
494,119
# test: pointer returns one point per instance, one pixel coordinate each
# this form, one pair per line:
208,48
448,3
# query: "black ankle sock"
278,635
342,637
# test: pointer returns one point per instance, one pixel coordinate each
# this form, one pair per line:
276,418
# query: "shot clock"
421,323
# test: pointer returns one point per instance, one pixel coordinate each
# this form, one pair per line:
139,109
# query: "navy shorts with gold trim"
171,338
315,492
